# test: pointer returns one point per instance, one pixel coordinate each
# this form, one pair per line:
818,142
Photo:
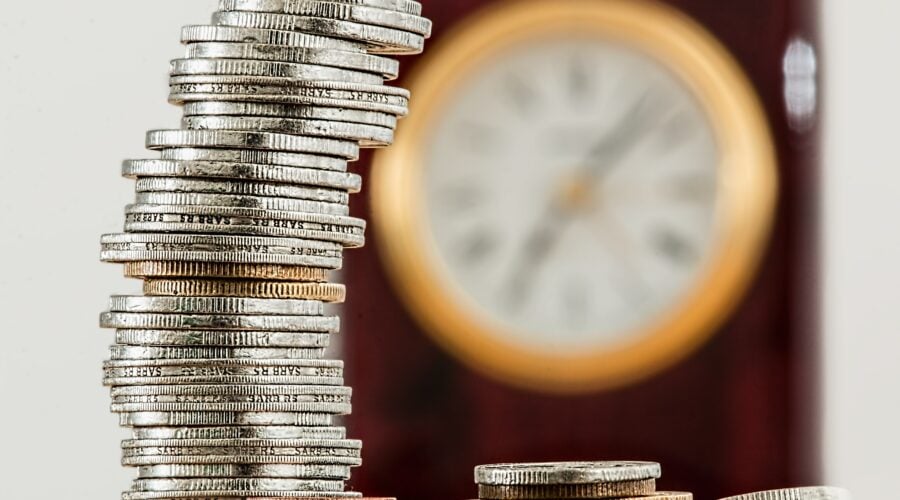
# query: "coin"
245,470
221,338
387,40
663,495
265,432
207,33
227,187
242,172
123,352
254,156
215,305
270,69
567,491
327,408
282,323
290,111
176,269
809,493
550,473
231,484
386,67
234,495
161,139
221,418
326,292
360,13
290,6
366,135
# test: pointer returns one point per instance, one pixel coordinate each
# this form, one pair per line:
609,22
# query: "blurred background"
730,313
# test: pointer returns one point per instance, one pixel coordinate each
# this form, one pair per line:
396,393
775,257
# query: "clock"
581,194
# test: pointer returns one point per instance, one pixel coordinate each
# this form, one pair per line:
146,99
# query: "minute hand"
615,145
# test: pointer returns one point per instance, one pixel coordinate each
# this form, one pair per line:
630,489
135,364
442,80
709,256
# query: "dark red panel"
741,414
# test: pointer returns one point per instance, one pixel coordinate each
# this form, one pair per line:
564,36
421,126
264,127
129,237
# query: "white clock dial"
571,192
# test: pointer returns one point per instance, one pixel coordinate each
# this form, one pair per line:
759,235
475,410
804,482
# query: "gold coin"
164,269
568,491
325,292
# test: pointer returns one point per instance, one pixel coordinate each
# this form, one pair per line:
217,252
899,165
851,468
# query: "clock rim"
748,184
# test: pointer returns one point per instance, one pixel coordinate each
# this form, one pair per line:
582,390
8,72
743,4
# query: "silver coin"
162,139
256,157
290,111
232,495
220,257
243,172
321,367
263,432
366,135
329,394
270,69
232,484
290,6
182,94
330,408
385,67
213,399
339,447
221,338
239,470
207,33
136,223
262,451
122,352
205,418
243,221
218,370
232,188
809,493
179,242
384,40
242,201
325,222
359,13
554,473
283,323
224,380
288,91
215,305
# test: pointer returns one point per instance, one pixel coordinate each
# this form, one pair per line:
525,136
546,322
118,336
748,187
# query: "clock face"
580,195
570,188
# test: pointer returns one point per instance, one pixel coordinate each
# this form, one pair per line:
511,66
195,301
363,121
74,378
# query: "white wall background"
862,245
62,136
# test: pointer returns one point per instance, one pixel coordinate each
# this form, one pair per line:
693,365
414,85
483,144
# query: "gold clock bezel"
747,189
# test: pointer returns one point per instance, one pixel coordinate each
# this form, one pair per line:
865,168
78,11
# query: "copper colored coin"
176,269
324,292
617,490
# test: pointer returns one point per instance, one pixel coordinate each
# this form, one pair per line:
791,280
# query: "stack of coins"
810,493
219,367
572,481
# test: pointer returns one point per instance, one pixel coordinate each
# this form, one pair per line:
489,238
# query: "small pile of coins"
219,367
619,480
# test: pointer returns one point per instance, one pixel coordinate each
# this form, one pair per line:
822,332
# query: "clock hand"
606,154
537,247
613,147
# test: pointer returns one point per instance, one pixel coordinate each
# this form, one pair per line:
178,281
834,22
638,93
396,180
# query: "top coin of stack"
572,481
808,493
219,367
